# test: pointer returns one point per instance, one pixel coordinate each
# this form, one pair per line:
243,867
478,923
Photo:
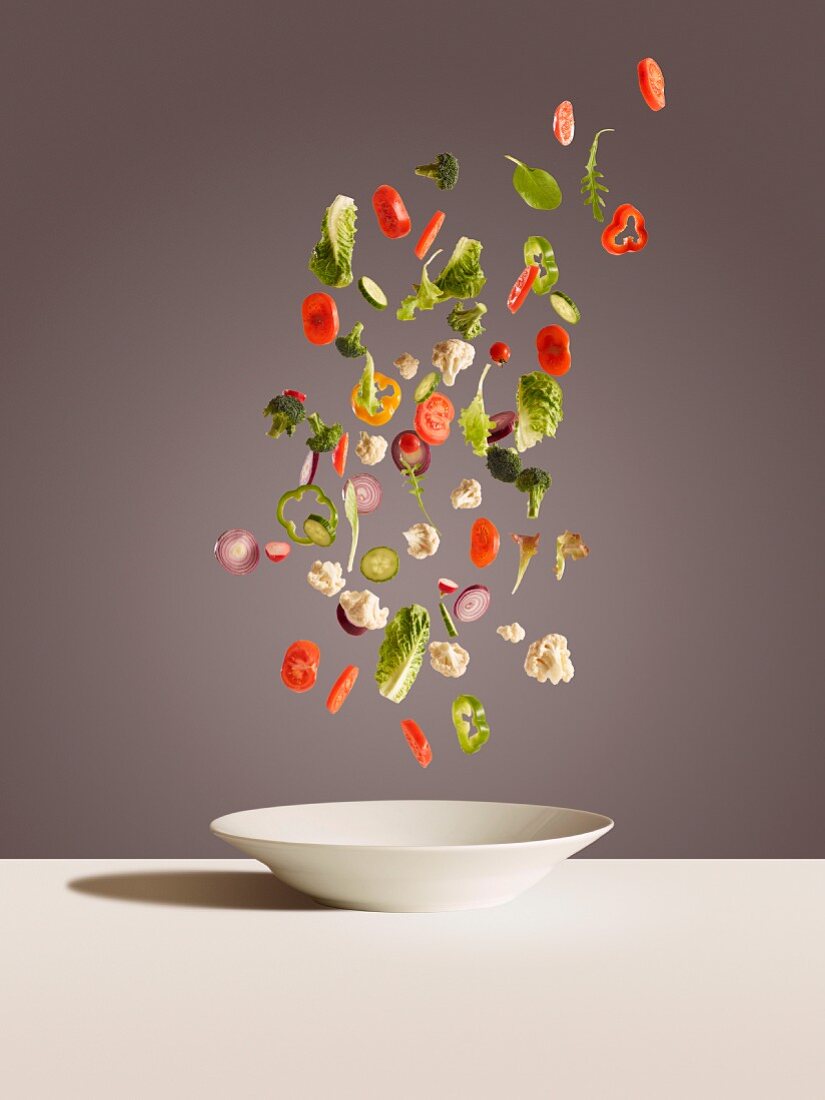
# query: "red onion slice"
350,628
472,603
308,469
409,449
367,492
237,551
446,587
504,424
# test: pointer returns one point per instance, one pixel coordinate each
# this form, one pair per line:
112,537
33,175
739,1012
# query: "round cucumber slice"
565,307
372,292
427,385
319,530
380,564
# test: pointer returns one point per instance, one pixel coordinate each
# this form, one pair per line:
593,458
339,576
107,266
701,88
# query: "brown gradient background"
165,167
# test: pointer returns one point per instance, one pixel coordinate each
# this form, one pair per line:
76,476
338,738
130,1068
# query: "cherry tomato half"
393,219
553,347
277,551
521,287
339,455
564,124
430,233
320,316
300,665
419,745
341,688
484,542
500,353
433,417
651,83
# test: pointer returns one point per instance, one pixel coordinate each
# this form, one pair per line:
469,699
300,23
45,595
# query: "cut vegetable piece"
565,307
450,626
419,745
651,83
484,542
564,124
380,564
297,394
351,512
341,688
372,292
298,494
319,530
433,418
409,451
428,385
468,711
500,353
367,492
319,314
504,424
393,219
446,587
309,468
277,551
237,551
299,668
386,403
528,546
521,287
401,653
472,603
553,348
350,628
339,455
431,231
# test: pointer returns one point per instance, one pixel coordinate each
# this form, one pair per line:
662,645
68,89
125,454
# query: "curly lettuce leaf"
402,652
367,392
474,421
539,404
462,276
426,296
331,258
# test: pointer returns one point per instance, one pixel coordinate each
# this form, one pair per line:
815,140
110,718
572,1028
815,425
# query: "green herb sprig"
590,180
417,489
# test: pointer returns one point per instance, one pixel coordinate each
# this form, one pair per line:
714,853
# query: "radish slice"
504,424
367,492
472,603
277,551
409,449
237,551
308,469
446,587
350,628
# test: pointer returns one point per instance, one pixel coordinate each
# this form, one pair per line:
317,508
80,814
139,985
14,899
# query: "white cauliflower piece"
407,365
512,633
422,540
452,356
326,577
449,658
362,609
371,448
549,659
467,495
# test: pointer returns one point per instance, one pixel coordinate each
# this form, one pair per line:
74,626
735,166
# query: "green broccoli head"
350,346
503,463
286,412
467,321
536,482
324,437
444,170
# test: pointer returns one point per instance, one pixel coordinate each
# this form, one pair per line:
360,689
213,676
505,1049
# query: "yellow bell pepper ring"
388,403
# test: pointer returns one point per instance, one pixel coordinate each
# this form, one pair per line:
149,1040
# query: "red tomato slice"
277,551
393,219
433,417
430,233
300,665
564,124
341,688
553,347
339,455
320,316
419,745
651,83
521,287
296,394
484,543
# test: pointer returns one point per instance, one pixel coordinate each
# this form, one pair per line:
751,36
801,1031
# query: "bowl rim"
605,827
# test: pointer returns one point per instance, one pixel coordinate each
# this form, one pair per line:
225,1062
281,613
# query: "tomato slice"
339,455
277,551
341,688
564,124
433,417
319,314
300,665
419,745
430,233
393,219
521,287
651,83
553,347
484,542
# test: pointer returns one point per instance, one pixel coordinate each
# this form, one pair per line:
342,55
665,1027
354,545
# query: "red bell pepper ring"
618,225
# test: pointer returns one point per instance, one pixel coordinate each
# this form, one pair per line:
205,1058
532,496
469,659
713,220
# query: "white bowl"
413,856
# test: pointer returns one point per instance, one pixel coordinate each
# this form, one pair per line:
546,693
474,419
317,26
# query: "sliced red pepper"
618,226
416,739
339,455
521,287
296,394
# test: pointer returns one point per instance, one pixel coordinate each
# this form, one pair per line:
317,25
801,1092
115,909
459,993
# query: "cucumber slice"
448,622
372,292
427,385
565,307
380,564
319,530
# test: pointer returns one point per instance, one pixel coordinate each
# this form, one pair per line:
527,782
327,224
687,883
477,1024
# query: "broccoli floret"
325,436
467,321
536,482
286,412
444,170
503,463
350,346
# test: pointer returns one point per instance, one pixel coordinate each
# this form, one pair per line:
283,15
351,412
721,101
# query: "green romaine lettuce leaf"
539,404
474,421
351,510
462,277
402,651
367,393
331,259
426,296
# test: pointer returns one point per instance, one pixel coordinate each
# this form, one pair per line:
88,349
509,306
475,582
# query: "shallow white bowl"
414,856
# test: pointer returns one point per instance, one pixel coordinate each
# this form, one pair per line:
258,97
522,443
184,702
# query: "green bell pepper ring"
296,494
468,712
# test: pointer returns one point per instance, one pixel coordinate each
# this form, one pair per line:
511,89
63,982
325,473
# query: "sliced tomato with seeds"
433,418
521,287
341,688
651,83
433,228
339,455
299,669
553,347
416,739
484,542
393,219
564,124
319,314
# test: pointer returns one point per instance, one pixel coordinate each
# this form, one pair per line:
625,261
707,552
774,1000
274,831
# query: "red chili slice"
433,228
419,745
521,287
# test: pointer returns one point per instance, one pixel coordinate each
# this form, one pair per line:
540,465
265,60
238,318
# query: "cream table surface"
610,979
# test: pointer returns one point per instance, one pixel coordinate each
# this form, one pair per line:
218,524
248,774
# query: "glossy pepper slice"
468,712
297,494
387,404
618,225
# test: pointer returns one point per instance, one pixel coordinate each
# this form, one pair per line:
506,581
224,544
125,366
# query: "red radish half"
446,587
277,551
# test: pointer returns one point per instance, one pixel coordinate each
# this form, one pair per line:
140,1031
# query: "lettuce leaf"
402,651
474,421
539,404
426,296
367,393
331,258
351,510
462,277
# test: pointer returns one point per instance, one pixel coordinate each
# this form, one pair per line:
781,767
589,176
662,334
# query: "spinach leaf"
536,187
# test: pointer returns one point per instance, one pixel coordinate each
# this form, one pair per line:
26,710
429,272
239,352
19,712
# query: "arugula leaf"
474,421
590,180
367,393
351,510
402,651
541,247
416,488
427,295
537,187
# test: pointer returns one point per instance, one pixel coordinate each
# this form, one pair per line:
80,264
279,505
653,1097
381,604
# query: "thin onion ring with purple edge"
350,628
472,603
308,469
237,551
367,492
504,424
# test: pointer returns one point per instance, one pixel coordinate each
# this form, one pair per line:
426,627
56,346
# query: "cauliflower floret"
467,495
326,577
568,545
549,659
512,633
371,448
452,356
407,365
449,658
362,609
422,540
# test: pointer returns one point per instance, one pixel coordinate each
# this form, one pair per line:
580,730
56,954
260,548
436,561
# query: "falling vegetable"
393,219
341,688
317,530
504,463
331,259
367,492
368,400
590,180
538,188
443,170
467,322
299,669
472,603
618,226
350,346
319,314
324,436
538,250
237,551
535,483
528,546
419,745
474,421
431,231
286,412
468,711
484,542
553,349
651,83
351,512
564,124
521,287
402,652
539,406
568,545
